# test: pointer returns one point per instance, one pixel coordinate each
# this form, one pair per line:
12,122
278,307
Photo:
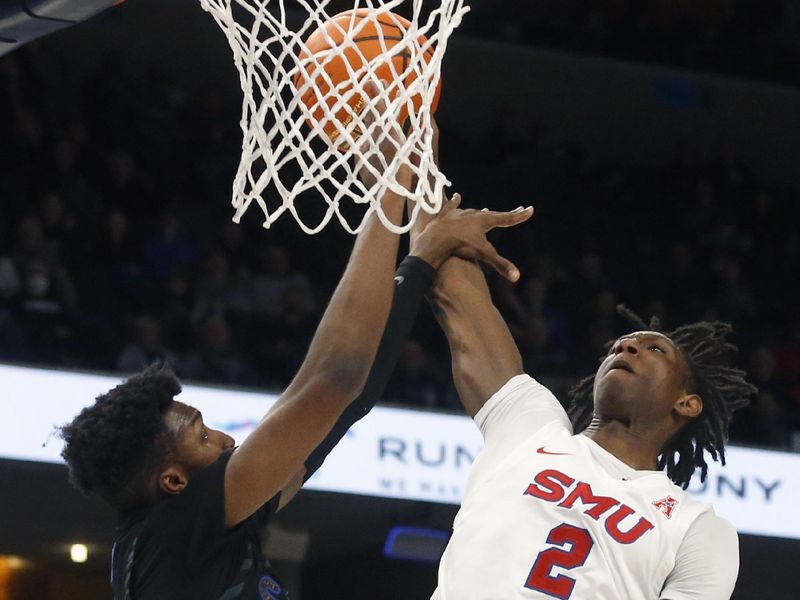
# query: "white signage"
391,453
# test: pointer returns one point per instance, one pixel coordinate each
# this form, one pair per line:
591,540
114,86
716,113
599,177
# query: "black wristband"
412,279
415,272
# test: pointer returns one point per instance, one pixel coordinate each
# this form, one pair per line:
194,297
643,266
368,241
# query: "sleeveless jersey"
549,514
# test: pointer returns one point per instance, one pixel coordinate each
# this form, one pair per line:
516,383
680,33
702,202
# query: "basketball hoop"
296,153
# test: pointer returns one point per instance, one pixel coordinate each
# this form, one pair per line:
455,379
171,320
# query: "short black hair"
722,388
114,447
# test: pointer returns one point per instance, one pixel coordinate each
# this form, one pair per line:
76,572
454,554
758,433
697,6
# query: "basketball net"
289,163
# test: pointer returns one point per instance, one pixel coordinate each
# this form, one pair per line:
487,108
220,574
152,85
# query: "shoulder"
522,394
685,513
710,528
707,562
711,544
166,540
125,541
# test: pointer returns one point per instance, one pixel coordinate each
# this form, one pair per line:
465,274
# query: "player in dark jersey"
191,505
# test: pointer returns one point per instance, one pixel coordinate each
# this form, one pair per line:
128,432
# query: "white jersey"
549,514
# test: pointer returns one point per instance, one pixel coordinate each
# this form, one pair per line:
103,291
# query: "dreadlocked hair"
722,388
114,447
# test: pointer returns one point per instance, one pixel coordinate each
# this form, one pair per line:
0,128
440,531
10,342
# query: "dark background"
658,141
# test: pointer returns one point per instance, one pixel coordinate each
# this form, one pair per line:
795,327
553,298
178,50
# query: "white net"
310,126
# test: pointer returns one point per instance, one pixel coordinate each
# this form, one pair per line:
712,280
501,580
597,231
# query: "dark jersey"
180,548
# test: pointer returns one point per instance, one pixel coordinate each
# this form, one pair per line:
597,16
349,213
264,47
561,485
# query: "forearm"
331,376
347,337
484,354
412,280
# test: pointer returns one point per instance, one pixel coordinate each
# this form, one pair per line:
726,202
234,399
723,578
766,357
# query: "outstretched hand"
462,233
387,141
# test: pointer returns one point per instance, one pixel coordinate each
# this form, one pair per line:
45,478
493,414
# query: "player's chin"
208,458
614,391
618,381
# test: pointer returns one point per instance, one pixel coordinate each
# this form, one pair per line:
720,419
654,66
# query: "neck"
638,447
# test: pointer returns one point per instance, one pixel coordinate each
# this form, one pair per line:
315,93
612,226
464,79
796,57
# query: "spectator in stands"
58,226
146,347
170,247
290,332
714,229
32,244
219,292
216,358
765,420
13,342
45,309
174,305
274,274
117,262
9,280
415,380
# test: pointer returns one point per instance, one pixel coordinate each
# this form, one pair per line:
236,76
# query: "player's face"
641,379
197,446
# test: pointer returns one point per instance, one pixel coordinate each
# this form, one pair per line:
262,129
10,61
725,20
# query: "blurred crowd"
756,39
116,250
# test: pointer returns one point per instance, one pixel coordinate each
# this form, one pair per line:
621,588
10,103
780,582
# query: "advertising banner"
391,453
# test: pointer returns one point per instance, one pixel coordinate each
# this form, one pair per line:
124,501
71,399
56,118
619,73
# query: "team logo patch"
268,588
666,505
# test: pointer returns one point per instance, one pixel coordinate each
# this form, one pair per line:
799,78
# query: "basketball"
371,34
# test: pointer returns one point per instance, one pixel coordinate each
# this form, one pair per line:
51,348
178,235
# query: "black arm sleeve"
413,278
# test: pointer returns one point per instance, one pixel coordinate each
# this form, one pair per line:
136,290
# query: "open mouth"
622,365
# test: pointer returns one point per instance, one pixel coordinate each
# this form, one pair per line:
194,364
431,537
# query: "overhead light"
79,553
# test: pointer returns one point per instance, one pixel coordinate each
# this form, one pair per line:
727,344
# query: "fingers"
485,251
373,90
489,254
449,206
376,143
453,202
423,218
505,267
508,219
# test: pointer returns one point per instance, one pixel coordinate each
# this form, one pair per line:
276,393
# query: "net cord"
277,139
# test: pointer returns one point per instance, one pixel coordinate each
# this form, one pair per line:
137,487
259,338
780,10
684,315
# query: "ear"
689,405
173,479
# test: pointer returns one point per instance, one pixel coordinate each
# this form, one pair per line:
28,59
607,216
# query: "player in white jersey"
592,506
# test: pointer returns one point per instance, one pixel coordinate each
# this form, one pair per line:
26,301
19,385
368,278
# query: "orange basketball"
368,33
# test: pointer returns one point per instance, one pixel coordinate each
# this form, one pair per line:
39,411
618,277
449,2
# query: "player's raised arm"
331,376
342,351
484,355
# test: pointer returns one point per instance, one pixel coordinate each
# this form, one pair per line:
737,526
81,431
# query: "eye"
656,349
204,433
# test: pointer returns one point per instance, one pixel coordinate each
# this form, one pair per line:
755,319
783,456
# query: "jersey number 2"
560,586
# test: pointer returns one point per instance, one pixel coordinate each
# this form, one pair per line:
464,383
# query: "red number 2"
560,586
